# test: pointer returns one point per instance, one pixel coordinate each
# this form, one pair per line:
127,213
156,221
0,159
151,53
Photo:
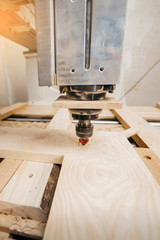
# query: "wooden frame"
107,167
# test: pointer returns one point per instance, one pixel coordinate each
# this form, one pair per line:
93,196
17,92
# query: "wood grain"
45,111
62,120
104,191
148,136
108,103
23,193
151,161
7,111
50,188
148,113
7,169
30,156
37,111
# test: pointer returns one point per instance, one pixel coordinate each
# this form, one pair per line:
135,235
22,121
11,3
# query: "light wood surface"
24,124
151,161
37,111
22,227
45,111
148,137
7,111
30,156
23,193
4,236
108,103
104,191
7,169
62,120
148,113
101,194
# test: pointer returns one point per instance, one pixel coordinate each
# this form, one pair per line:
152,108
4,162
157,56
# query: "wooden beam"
148,136
33,111
62,120
23,227
7,111
7,169
31,156
23,193
151,161
108,103
148,113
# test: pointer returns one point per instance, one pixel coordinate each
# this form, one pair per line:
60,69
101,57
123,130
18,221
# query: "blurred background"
140,70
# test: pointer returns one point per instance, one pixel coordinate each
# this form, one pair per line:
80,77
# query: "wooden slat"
151,161
108,103
23,227
31,156
36,111
7,111
24,124
23,193
7,169
41,111
148,136
62,120
4,235
147,112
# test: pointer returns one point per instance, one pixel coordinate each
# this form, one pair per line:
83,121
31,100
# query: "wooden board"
151,161
101,185
62,120
7,111
23,193
148,136
7,169
37,111
147,112
30,156
108,103
25,179
24,124
44,111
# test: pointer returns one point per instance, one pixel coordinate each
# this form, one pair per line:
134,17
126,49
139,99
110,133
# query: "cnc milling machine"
79,45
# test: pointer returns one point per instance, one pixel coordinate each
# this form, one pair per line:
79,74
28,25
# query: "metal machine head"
80,45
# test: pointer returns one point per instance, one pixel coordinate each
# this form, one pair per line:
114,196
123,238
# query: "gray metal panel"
108,18
45,41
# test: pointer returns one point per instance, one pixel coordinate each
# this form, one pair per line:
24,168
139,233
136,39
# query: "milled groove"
88,33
